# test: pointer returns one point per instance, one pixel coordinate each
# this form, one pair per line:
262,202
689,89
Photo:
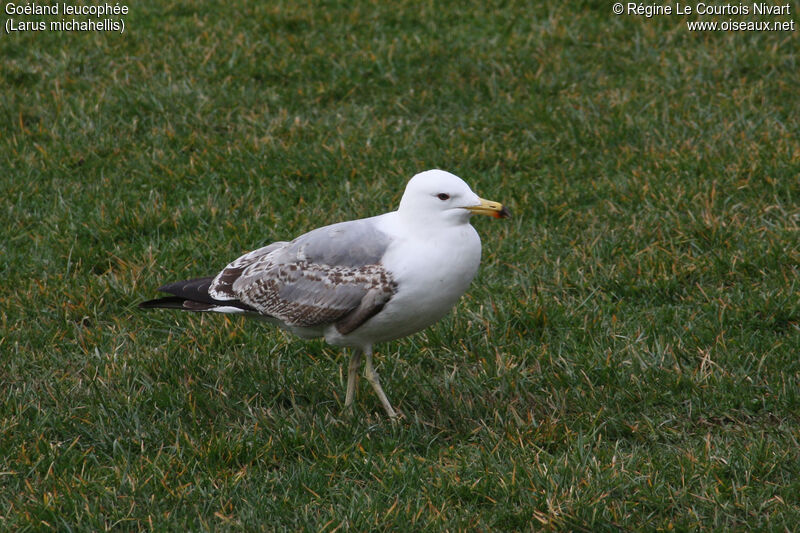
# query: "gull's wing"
329,275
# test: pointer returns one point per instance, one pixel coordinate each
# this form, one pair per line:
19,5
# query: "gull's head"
436,196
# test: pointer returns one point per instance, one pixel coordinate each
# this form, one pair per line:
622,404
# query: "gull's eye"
443,196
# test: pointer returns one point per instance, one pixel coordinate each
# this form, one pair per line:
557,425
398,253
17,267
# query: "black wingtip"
191,295
170,302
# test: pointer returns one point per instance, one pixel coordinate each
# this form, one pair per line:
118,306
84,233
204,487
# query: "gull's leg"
372,377
352,377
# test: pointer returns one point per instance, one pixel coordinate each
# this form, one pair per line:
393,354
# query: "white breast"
432,271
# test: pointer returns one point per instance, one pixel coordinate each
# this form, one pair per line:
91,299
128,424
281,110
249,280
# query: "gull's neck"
432,222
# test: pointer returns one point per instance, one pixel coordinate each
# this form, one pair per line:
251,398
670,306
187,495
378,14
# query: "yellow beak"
493,209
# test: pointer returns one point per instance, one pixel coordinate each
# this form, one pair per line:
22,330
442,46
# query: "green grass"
628,356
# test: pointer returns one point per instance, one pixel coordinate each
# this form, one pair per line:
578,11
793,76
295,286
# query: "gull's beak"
493,209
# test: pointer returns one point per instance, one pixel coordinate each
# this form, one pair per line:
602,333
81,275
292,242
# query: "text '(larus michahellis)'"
360,282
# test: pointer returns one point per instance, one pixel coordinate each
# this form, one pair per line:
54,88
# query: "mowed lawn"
628,356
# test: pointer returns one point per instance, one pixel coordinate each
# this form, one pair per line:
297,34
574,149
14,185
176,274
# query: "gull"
360,282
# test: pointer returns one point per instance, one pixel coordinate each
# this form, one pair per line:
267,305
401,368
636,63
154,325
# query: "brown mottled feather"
319,278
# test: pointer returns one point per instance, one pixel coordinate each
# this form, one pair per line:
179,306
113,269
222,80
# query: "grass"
628,357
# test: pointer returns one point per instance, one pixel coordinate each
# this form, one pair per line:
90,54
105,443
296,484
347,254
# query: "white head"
438,197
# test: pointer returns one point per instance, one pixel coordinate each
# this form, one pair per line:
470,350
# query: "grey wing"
222,286
352,244
329,275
